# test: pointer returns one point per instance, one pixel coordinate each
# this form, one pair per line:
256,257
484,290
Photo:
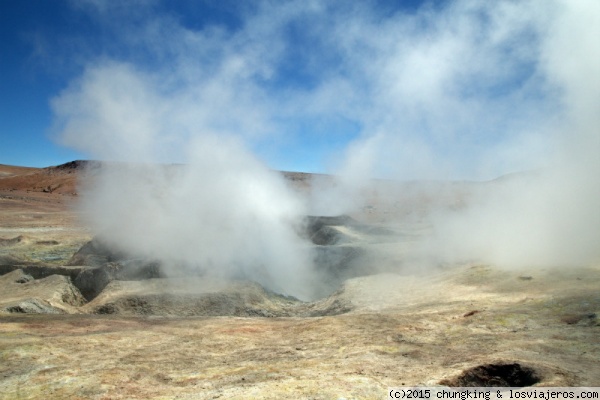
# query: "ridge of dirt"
201,297
24,294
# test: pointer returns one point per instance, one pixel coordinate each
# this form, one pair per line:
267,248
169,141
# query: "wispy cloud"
456,89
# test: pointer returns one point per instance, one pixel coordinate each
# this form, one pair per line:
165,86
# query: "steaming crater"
342,249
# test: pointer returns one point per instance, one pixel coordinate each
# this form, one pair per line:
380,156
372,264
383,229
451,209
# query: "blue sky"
27,83
404,89
47,44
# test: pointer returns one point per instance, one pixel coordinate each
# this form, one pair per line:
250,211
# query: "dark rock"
43,271
96,253
92,281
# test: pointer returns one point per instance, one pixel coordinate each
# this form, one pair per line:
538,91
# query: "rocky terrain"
80,320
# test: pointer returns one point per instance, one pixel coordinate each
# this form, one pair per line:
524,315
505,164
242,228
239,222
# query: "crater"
500,375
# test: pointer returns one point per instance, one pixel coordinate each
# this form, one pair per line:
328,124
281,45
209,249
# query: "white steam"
221,212
476,90
550,218
466,90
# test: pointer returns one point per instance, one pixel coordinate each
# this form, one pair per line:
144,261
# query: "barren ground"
411,329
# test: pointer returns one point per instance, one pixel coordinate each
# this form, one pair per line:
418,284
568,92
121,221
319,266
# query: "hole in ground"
502,375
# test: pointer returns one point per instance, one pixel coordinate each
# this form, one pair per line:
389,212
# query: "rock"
107,265
43,271
53,294
95,253
33,306
92,281
24,279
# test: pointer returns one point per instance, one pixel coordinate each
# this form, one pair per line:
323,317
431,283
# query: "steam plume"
467,90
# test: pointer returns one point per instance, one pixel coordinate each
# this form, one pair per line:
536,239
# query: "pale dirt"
418,328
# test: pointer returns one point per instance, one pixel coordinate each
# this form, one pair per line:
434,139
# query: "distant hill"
60,179
380,199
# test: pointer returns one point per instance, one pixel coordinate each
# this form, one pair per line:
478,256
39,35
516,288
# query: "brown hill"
61,179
